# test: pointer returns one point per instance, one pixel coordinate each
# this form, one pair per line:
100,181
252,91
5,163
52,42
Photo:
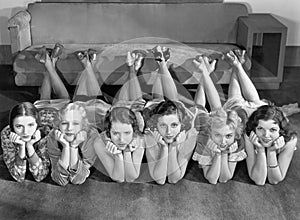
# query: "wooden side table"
264,38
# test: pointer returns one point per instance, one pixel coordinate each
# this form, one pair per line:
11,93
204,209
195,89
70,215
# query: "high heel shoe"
57,50
92,54
41,55
165,52
81,54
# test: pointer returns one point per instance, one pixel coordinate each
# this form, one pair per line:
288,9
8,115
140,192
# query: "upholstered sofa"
113,29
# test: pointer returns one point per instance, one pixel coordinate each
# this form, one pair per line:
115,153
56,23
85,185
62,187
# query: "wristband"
274,166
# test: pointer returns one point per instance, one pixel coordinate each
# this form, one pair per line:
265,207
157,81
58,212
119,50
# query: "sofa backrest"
117,22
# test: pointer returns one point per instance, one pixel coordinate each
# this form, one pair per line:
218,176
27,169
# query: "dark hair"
23,109
271,112
123,115
166,107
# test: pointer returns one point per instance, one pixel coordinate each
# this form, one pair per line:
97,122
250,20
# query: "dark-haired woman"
270,145
121,146
21,143
170,133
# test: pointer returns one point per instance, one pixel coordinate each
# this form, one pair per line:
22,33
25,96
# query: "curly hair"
23,109
221,117
271,112
77,106
166,107
123,115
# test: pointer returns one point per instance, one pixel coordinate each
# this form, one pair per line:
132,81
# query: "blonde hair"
221,118
75,106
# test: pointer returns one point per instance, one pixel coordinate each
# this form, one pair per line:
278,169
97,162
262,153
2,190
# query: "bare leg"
167,87
131,90
88,83
248,89
45,89
206,68
56,83
200,96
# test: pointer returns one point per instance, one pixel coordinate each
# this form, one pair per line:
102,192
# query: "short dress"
238,101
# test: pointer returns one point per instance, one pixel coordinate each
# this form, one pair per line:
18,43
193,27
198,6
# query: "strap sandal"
81,54
165,52
92,54
57,50
41,55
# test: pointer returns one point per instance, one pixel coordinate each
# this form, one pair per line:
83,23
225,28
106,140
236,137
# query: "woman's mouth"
266,140
122,146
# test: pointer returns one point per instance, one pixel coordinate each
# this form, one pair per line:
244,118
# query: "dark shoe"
92,54
81,54
57,50
243,58
158,55
41,55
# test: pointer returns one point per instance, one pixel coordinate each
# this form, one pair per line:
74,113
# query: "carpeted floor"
191,198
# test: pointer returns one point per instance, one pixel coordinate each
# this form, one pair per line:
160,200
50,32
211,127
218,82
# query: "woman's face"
223,136
25,127
121,134
267,132
169,127
71,124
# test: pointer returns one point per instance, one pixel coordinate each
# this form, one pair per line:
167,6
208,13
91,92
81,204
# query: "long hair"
271,112
23,109
220,118
123,115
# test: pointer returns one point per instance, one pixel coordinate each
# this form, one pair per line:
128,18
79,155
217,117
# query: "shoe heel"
92,54
57,50
41,55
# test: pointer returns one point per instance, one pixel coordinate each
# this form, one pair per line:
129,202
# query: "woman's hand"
112,148
60,137
213,146
254,140
277,144
158,138
81,136
181,137
35,137
14,138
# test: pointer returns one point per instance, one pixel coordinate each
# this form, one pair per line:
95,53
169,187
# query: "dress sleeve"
202,154
238,154
58,173
16,166
39,162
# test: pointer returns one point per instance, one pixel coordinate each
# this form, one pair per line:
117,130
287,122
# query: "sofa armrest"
19,29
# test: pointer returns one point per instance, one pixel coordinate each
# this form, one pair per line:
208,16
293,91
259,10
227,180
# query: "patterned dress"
38,163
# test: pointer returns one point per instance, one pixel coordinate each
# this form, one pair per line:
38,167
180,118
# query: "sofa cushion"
91,23
111,64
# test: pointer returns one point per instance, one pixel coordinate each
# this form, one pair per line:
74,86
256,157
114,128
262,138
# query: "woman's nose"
168,131
70,126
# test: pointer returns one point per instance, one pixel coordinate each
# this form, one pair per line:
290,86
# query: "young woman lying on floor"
170,133
219,143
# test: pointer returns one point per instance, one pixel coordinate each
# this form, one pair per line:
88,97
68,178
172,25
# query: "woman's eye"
162,126
31,125
76,123
127,132
259,128
18,126
64,123
273,129
228,136
174,125
114,133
